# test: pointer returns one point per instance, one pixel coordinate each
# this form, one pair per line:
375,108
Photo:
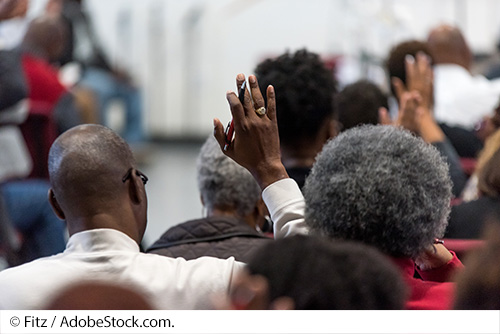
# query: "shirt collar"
102,239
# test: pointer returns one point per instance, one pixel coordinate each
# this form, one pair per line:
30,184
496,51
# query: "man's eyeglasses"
143,177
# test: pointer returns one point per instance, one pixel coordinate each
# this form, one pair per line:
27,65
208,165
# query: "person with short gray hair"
235,212
222,182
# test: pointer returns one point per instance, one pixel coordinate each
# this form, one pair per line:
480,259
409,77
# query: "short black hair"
395,62
358,103
320,274
305,91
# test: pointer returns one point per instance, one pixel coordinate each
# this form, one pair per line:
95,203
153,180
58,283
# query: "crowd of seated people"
358,198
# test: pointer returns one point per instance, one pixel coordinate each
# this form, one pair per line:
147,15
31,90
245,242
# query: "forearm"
429,130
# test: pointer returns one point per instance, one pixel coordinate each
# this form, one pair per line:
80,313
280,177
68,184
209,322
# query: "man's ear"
260,212
136,188
55,205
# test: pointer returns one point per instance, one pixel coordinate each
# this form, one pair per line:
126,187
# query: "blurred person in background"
468,219
98,75
478,286
100,295
28,226
411,78
466,143
360,103
461,98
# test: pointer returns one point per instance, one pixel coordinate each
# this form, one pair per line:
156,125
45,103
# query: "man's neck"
299,156
103,220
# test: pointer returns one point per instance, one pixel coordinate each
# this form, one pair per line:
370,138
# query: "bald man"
98,190
461,99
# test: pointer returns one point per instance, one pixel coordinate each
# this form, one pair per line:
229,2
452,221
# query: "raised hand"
256,142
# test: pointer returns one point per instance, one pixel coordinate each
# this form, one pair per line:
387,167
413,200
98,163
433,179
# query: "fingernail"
410,59
252,79
240,76
271,90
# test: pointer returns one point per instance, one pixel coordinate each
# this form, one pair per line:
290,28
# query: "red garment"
44,86
44,92
434,291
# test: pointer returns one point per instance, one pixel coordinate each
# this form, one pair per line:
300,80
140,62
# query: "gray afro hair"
224,183
382,186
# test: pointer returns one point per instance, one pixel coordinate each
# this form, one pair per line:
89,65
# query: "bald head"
99,296
448,46
86,167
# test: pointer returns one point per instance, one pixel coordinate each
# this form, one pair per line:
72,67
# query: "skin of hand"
433,257
415,100
419,77
256,142
12,8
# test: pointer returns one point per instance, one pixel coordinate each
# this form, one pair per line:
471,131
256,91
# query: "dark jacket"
468,219
220,237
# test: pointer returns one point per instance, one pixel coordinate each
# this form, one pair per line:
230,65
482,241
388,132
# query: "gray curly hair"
382,186
224,183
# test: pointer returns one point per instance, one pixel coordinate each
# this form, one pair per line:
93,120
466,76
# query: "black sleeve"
457,175
13,87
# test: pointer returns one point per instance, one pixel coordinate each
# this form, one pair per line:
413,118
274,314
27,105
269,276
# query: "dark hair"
304,93
489,176
395,62
358,103
382,186
321,274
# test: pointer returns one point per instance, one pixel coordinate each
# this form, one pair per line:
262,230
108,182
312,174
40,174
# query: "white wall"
185,54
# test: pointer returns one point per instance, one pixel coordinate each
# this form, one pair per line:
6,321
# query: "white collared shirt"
110,255
462,99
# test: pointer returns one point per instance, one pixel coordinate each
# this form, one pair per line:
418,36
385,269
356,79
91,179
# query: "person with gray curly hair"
234,207
376,184
381,186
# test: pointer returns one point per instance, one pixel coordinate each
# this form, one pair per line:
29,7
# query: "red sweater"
44,92
435,290
45,89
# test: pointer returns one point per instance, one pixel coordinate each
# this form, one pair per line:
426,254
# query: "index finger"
235,106
410,69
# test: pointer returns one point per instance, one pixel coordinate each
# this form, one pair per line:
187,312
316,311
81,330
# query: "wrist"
268,173
430,131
